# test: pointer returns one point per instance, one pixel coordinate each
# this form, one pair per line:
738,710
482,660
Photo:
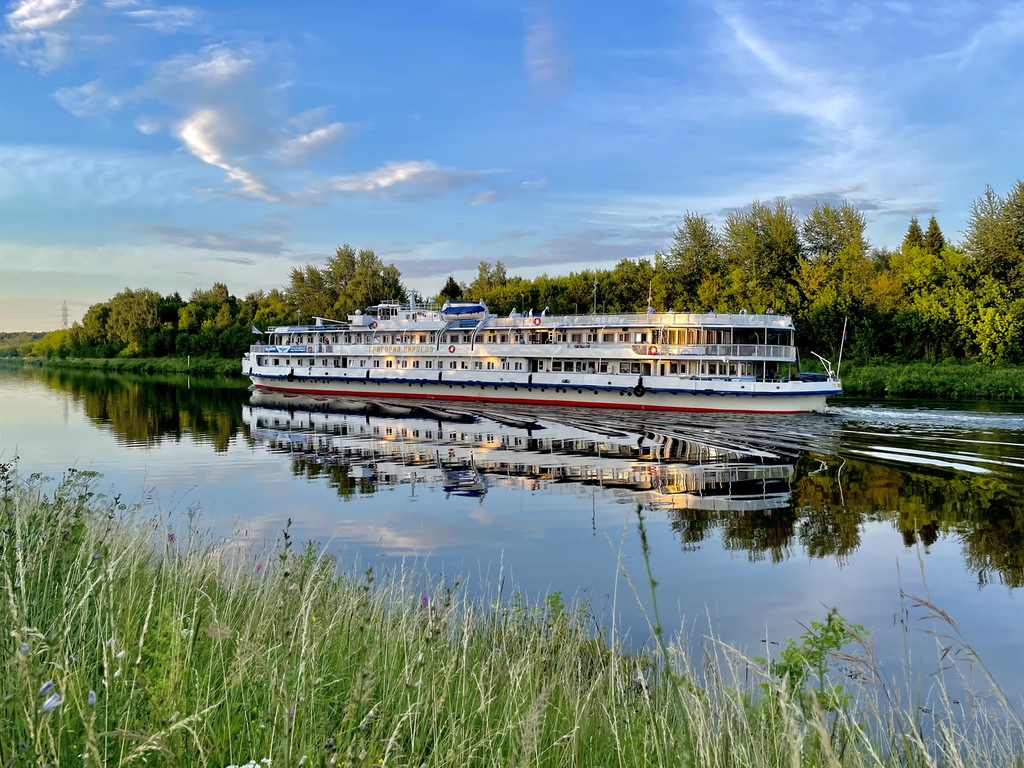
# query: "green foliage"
914,237
804,664
934,242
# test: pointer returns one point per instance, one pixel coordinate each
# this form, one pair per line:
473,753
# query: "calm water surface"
755,523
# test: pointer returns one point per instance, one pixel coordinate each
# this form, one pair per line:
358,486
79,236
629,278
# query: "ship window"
465,365
405,363
623,338
504,365
608,337
519,366
490,365
376,363
387,363
634,367
623,367
430,364
577,337
422,338
362,363
465,338
504,338
603,368
640,338
277,361
591,337
477,365
556,365
415,363
492,338
337,362
451,364
673,368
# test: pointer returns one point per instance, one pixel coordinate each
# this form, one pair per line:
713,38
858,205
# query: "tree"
452,291
995,236
830,230
695,255
934,242
133,315
763,247
914,237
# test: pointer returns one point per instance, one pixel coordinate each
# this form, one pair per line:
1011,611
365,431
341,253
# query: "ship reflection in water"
361,445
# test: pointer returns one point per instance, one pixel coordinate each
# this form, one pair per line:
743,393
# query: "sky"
172,146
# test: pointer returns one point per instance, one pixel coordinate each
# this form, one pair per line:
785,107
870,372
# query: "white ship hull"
655,394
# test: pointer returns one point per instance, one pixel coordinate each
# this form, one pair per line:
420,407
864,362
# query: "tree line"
929,299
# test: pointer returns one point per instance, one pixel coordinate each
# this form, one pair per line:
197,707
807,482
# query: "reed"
947,381
129,641
196,366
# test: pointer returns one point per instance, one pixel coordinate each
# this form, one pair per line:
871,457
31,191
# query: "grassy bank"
196,366
128,642
947,381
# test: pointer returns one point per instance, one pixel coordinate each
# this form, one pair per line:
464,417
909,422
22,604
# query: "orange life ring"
536,321
652,350
373,324
451,348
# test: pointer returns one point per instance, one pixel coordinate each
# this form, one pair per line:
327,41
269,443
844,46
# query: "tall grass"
164,648
195,366
947,381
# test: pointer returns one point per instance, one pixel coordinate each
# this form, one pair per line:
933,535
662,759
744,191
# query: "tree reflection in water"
771,488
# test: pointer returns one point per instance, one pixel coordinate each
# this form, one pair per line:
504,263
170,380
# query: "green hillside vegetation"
930,300
11,343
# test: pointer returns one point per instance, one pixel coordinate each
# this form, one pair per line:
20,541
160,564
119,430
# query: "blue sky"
170,146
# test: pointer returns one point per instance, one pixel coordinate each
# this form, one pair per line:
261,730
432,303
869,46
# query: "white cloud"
409,180
93,98
214,66
39,14
205,134
316,142
164,20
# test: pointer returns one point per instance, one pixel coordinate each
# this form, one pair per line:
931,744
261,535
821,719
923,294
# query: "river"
755,523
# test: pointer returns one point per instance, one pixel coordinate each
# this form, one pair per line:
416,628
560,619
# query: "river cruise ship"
668,361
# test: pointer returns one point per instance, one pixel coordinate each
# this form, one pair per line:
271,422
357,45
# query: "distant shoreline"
196,366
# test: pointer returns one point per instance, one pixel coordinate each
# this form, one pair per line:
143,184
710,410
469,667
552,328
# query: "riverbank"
130,637
940,381
196,366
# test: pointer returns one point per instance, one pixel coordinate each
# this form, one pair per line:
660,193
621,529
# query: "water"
755,523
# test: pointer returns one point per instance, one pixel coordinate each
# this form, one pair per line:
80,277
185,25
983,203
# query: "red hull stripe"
519,401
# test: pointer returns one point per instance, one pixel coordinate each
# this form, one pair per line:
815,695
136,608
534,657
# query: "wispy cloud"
494,194
546,63
411,180
88,100
213,240
44,34
312,144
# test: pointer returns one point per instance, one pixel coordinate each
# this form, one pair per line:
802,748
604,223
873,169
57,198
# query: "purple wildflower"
51,703
171,537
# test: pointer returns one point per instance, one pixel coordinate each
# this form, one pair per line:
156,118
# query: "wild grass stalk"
165,648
